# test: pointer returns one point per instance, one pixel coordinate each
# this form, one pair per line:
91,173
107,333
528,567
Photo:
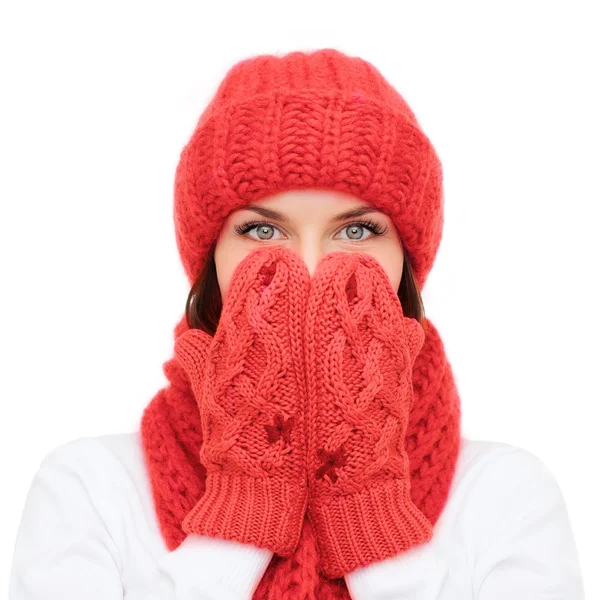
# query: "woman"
308,442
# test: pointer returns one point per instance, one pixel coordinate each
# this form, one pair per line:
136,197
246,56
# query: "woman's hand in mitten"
359,352
250,387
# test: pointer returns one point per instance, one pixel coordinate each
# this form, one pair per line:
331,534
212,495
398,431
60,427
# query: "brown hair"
203,305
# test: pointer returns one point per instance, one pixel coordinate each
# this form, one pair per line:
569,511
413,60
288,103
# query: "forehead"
293,204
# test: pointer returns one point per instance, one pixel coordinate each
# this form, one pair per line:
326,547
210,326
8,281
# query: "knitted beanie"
318,119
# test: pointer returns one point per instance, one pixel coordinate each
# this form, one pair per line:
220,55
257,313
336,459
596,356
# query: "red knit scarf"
172,437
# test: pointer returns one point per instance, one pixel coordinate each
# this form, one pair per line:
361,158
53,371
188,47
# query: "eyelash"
375,228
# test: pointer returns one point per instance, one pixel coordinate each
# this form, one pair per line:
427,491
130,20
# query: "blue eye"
373,227
264,228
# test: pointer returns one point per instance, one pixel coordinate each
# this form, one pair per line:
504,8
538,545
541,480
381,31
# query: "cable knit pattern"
249,384
360,351
302,120
362,507
171,431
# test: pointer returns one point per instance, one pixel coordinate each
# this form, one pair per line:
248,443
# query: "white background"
99,98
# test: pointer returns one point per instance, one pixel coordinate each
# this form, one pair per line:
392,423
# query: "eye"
356,230
265,230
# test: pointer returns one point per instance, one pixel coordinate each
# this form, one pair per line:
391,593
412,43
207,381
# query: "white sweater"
89,532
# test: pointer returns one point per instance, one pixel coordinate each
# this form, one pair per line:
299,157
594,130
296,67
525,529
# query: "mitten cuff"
371,525
265,512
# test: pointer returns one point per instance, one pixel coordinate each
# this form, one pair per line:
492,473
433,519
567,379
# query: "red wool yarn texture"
249,383
360,351
319,119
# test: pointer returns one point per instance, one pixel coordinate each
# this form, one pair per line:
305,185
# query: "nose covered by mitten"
304,394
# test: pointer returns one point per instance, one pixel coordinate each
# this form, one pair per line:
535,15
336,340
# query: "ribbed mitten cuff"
371,525
265,512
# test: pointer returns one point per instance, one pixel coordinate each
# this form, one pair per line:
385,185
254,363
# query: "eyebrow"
269,213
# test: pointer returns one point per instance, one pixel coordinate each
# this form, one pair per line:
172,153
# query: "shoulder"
504,492
119,442
90,452
496,487
72,522
98,456
474,451
104,471
497,464
514,523
93,483
497,476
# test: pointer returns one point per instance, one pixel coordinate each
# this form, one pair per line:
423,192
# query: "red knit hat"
319,119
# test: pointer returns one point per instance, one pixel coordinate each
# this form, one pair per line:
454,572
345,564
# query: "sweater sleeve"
206,568
532,553
516,532
65,550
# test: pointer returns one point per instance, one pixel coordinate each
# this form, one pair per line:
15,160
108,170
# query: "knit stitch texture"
307,120
360,351
250,386
317,119
172,436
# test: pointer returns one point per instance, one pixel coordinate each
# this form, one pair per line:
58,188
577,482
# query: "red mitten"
359,353
251,391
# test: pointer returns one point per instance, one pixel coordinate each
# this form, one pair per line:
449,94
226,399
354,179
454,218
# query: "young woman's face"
312,223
